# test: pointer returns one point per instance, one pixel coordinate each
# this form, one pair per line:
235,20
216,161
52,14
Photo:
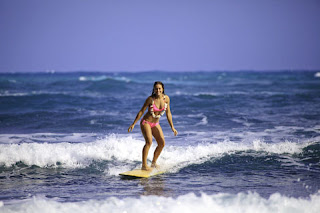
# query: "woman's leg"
147,134
158,135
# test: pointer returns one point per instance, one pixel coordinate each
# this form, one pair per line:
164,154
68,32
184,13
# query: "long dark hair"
154,85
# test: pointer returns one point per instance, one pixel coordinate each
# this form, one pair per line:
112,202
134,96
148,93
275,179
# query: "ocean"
248,141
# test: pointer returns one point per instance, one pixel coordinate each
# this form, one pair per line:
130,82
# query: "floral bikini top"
153,108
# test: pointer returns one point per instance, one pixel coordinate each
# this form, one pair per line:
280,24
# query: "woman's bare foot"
154,165
147,168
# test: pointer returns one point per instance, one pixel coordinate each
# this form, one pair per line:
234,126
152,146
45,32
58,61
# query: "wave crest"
103,78
126,152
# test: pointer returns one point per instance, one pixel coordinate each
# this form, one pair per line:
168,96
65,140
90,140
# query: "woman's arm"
140,113
169,117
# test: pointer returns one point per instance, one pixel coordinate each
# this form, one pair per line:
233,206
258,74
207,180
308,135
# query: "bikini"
153,108
150,123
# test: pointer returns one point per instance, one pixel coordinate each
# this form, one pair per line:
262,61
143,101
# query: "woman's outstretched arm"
169,118
140,113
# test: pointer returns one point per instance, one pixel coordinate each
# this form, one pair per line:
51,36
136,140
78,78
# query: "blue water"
249,136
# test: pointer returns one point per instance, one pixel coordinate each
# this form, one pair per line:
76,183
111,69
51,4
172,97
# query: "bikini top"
153,108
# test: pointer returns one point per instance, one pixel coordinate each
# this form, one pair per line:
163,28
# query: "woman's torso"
158,105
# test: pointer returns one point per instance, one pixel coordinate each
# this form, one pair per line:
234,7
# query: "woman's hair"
154,85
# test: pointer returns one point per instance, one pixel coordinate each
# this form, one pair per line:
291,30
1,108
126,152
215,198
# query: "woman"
158,103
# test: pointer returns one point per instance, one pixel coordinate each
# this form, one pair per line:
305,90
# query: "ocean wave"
69,155
126,151
204,119
197,94
8,94
103,78
209,94
47,137
242,121
221,202
93,78
48,94
32,93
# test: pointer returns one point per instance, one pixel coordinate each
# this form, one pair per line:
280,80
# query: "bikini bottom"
150,123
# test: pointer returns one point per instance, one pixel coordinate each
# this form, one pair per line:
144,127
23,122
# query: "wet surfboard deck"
141,173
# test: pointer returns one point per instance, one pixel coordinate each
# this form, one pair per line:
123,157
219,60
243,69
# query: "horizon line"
164,71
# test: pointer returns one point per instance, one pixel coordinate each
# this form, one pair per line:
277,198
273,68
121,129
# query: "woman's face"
158,90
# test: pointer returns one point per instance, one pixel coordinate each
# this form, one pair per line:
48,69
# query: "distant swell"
102,78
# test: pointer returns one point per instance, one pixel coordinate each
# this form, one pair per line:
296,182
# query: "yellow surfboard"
142,173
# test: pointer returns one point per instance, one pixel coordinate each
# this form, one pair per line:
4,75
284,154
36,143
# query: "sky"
168,35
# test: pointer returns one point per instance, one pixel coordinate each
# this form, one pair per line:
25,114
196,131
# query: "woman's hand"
131,128
175,132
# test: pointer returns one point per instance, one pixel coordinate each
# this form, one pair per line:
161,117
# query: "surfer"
158,104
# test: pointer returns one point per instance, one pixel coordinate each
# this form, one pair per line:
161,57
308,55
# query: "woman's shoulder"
166,97
149,99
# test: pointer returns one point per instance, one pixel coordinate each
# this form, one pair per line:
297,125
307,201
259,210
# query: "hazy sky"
171,35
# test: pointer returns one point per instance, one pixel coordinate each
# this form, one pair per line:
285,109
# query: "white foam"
93,78
242,121
177,157
7,93
126,152
122,78
207,94
204,120
12,81
47,137
221,202
278,148
71,155
317,75
103,77
102,112
314,129
116,170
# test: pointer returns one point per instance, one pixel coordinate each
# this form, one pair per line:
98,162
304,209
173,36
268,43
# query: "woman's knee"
148,141
161,143
147,135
